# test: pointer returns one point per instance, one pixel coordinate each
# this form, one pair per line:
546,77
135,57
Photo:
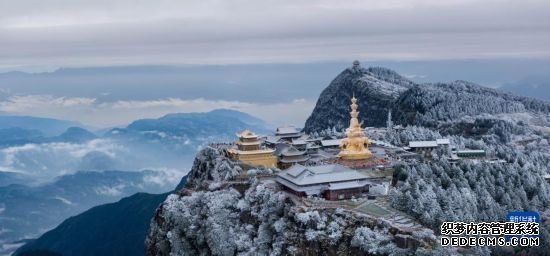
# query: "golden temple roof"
247,134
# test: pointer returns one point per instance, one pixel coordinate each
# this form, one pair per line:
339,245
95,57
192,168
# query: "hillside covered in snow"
214,215
376,87
513,129
436,105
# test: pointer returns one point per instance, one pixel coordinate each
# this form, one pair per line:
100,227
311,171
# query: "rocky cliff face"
258,219
375,88
210,167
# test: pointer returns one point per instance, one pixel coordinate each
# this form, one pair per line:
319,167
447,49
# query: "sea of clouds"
45,161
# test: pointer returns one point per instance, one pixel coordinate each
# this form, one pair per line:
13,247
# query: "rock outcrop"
375,88
210,167
262,220
438,106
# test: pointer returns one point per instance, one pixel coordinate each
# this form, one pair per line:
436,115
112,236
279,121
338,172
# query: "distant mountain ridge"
47,126
19,130
111,229
219,123
191,129
68,195
76,134
165,144
206,123
380,90
117,228
20,136
536,86
170,142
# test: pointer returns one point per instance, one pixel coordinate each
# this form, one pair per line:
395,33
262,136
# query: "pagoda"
249,150
356,145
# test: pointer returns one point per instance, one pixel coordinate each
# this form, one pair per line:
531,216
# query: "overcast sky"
38,34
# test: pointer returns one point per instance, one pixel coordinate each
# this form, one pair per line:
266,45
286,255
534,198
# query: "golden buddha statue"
356,145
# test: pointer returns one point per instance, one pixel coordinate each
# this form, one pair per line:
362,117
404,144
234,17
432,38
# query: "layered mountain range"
58,175
28,211
204,217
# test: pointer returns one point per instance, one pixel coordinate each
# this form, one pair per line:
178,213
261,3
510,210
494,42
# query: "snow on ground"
382,86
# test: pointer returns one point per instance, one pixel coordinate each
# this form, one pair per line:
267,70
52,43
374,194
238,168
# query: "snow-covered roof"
471,151
248,143
423,144
443,141
308,190
347,185
251,152
286,130
312,146
304,136
272,139
309,175
330,143
310,139
299,142
292,151
247,134
297,159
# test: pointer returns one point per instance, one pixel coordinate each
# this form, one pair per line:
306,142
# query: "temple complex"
249,150
331,167
356,145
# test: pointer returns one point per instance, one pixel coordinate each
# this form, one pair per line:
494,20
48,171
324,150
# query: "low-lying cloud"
53,159
116,113
42,162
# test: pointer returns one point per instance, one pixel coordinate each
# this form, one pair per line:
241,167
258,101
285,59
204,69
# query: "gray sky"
38,34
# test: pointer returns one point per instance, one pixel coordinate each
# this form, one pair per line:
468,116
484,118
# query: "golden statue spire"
356,145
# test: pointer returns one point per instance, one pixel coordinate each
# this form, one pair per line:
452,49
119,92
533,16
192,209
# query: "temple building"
333,182
285,135
291,155
427,146
356,146
249,150
471,153
312,148
288,133
300,144
331,144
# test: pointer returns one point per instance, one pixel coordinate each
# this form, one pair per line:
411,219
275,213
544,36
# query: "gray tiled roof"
309,175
